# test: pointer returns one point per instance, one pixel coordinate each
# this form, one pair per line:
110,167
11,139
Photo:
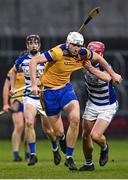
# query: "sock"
69,152
32,147
54,145
27,154
16,154
103,148
89,161
62,137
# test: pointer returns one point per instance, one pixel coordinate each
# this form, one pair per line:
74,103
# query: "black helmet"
33,37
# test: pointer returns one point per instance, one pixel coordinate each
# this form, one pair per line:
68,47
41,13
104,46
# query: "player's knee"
29,124
74,122
95,136
58,134
48,131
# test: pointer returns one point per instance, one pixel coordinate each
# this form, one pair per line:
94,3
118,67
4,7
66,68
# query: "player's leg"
97,132
55,100
97,136
29,114
26,147
59,131
48,130
57,126
72,111
18,122
52,108
104,117
87,145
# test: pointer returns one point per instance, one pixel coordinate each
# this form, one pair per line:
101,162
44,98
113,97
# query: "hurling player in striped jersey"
32,104
100,108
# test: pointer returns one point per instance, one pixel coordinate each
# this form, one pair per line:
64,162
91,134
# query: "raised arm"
33,66
115,77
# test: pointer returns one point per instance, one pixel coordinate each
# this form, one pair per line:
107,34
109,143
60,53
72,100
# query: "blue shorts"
55,100
20,106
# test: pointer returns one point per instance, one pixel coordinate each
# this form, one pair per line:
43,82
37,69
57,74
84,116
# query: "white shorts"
35,103
93,112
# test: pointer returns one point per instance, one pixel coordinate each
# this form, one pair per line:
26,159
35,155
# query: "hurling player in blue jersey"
31,102
100,108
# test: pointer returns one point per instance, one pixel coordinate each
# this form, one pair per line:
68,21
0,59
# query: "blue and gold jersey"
19,82
61,65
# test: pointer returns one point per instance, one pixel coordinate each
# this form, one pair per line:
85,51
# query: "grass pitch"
117,167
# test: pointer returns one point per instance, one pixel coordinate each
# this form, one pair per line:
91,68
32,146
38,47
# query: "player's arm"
13,79
33,66
115,77
103,75
6,90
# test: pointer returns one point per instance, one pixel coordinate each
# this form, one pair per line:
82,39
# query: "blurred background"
53,20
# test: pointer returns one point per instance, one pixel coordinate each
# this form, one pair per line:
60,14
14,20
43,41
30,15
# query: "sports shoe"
63,145
57,157
26,157
70,164
85,167
32,160
104,156
17,159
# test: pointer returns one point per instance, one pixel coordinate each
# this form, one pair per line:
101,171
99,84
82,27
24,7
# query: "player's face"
33,47
74,49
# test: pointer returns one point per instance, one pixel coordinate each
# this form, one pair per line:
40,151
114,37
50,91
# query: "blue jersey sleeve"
48,56
18,63
87,53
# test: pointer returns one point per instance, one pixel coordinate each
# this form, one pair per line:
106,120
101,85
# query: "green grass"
117,167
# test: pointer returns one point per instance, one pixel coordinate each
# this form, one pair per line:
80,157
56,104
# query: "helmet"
75,38
97,46
33,37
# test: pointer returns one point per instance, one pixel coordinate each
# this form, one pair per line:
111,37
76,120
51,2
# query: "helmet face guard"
33,38
96,46
75,38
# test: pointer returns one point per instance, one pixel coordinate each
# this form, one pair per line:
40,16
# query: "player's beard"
33,52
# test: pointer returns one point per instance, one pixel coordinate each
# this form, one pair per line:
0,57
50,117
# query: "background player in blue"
31,102
100,108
